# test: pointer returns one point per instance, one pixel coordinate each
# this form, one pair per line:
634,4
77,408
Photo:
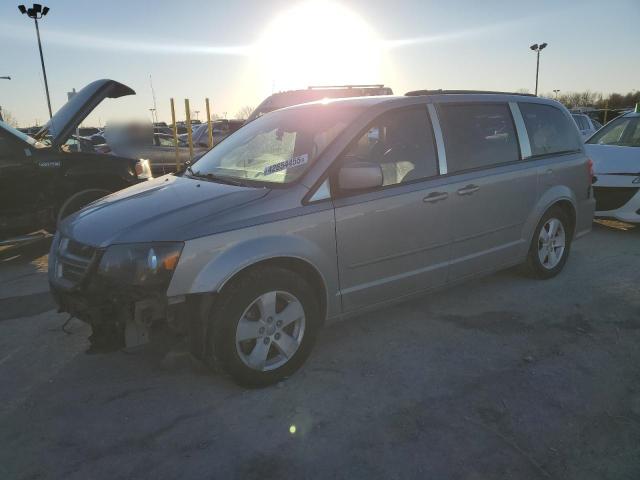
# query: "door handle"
549,171
468,190
435,197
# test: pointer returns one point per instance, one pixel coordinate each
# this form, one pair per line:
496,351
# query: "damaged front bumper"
121,315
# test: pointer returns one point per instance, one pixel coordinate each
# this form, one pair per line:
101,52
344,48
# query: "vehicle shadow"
615,225
24,287
20,254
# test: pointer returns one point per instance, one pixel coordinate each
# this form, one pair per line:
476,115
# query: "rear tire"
263,326
550,245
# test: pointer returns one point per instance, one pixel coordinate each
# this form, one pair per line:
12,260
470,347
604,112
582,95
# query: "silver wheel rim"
551,243
270,331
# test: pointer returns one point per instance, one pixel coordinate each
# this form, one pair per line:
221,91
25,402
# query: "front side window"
478,135
549,130
623,131
401,142
276,148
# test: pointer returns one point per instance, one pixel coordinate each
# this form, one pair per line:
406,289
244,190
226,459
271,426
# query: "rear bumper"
584,217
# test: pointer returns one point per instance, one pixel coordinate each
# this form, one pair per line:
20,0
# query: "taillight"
590,169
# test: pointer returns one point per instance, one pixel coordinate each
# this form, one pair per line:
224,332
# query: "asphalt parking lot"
504,377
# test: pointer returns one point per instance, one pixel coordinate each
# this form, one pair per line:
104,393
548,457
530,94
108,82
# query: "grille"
73,261
612,198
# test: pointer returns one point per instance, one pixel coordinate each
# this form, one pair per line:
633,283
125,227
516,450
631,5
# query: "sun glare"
318,43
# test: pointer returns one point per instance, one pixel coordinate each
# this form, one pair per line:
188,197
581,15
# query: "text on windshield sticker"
285,164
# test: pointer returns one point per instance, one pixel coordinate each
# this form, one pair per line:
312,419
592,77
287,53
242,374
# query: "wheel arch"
208,267
300,266
558,195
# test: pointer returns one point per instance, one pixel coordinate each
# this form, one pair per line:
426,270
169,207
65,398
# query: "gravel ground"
503,377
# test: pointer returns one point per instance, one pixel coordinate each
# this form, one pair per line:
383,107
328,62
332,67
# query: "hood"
614,159
62,125
168,208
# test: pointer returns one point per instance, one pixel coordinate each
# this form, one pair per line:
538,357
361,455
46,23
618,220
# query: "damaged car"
43,179
320,211
615,151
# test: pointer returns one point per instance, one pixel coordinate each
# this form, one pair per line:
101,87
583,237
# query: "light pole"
537,48
556,92
36,12
6,77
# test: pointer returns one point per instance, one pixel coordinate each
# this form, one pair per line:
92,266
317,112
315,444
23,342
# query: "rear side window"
549,130
478,135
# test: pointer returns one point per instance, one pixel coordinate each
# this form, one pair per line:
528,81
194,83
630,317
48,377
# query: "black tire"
78,200
229,308
534,266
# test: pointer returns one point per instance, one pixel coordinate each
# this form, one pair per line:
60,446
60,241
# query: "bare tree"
9,118
244,112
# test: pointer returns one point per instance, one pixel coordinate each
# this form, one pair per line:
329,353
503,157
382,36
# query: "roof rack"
416,93
314,87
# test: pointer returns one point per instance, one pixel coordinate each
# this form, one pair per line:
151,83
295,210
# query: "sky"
238,52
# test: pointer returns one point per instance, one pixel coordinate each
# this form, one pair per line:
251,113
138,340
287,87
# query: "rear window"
549,130
581,122
623,132
478,135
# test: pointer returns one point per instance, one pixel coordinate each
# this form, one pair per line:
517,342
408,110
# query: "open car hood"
64,122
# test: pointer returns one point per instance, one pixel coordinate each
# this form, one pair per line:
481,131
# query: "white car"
615,151
587,125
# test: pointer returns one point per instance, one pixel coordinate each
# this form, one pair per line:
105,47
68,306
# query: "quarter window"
478,135
401,142
549,130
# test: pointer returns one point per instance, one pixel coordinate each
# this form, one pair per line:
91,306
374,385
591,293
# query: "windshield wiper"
214,178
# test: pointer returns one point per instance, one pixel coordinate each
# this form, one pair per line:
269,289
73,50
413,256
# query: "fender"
552,195
208,263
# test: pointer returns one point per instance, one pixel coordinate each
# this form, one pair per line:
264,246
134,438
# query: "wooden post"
189,135
175,135
209,123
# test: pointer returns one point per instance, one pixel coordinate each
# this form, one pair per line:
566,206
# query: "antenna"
153,94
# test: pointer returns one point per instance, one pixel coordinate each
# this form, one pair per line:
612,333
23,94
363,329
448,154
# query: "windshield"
623,131
277,147
22,136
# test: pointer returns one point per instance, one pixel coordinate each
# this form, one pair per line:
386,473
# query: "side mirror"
360,176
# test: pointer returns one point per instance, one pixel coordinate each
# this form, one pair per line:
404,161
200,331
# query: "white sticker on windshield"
292,162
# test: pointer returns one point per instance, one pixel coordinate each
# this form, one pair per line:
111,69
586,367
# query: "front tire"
263,326
550,245
78,200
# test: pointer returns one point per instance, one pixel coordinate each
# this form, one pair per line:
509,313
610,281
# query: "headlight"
143,169
142,264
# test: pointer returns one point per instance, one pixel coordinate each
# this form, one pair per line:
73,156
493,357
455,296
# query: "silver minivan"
322,210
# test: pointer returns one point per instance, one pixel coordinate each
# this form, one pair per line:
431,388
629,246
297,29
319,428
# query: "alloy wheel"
551,243
270,331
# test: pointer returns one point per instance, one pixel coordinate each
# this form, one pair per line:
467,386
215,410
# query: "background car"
312,94
222,128
44,179
615,151
587,125
159,151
